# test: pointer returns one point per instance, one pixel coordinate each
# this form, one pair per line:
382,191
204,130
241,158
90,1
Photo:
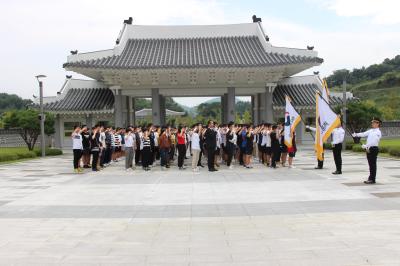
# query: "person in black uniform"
210,138
275,146
371,147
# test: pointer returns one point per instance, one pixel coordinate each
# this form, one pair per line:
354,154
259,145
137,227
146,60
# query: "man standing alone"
371,147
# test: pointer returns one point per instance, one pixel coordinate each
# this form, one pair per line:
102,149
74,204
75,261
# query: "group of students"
218,143
145,146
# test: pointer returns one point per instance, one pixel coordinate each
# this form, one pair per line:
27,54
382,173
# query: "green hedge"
13,154
394,151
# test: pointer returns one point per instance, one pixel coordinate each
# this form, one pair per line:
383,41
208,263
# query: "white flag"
292,119
326,122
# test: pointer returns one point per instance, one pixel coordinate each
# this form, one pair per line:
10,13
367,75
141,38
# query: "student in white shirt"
130,143
195,138
77,148
337,140
372,147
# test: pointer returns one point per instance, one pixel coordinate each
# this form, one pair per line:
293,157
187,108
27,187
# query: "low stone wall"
391,129
12,138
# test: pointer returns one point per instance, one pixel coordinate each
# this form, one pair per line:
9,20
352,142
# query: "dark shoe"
337,173
318,168
213,170
86,166
200,165
369,182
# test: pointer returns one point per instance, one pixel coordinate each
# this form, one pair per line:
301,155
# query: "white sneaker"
292,166
231,167
128,169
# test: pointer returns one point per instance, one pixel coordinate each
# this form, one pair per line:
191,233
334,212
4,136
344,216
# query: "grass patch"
22,153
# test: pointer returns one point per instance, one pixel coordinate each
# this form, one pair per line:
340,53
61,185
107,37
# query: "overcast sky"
36,36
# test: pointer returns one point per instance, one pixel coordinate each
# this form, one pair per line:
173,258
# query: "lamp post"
42,117
344,110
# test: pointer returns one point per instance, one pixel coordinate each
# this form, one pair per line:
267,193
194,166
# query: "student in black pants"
210,138
146,151
77,148
95,146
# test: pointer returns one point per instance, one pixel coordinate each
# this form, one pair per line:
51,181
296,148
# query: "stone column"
133,109
129,110
269,109
163,112
118,117
230,105
59,131
155,104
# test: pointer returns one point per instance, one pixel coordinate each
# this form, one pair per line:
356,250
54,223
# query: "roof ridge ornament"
128,21
256,19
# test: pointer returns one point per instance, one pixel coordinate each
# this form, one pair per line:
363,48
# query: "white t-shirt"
77,141
195,141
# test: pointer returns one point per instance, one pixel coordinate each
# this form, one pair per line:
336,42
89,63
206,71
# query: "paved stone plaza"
301,216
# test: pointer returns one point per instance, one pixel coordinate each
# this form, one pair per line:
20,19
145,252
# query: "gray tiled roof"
84,100
243,51
301,95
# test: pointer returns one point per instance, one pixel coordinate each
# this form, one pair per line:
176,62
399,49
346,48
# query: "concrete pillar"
118,117
230,105
59,131
300,131
155,104
268,103
255,109
223,108
89,121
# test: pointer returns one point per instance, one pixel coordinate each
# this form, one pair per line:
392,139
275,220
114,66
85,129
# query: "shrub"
25,154
49,152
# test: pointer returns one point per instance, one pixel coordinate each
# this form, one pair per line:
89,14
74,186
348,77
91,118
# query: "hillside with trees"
378,85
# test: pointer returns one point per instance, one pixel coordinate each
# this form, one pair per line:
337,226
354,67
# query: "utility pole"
344,111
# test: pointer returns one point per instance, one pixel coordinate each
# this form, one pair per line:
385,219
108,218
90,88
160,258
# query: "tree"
28,123
360,114
12,102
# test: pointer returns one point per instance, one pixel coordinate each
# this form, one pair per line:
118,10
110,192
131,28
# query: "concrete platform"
259,216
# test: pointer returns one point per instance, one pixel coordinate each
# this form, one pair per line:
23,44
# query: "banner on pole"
326,122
